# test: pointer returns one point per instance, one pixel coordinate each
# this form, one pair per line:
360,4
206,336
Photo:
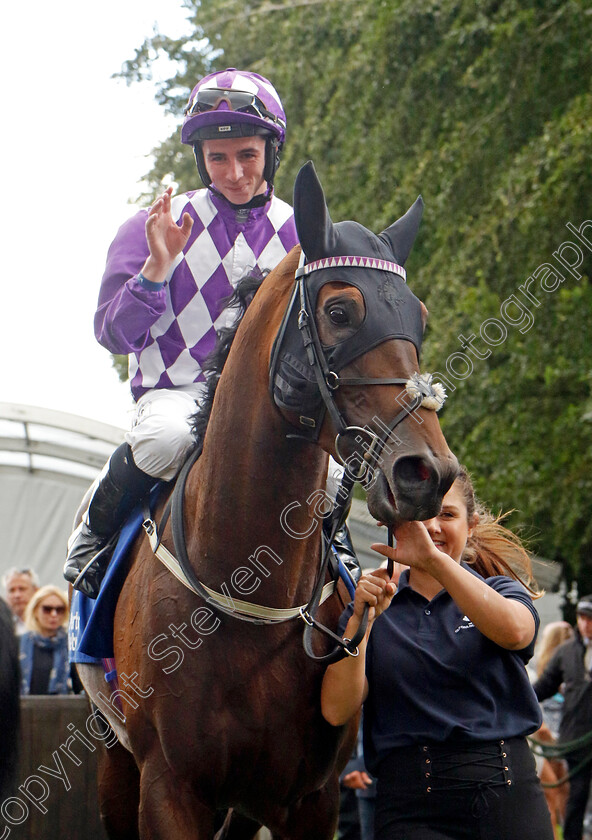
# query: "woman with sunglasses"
163,298
44,647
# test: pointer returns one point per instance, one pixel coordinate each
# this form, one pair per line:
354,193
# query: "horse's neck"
253,491
255,503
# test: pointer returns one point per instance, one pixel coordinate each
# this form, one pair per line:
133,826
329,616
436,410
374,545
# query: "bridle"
418,389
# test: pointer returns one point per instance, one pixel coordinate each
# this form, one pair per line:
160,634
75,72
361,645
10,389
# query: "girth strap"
182,569
228,604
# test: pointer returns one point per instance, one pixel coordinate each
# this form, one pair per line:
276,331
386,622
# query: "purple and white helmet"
232,98
233,103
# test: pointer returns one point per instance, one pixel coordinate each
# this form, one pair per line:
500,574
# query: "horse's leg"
119,792
314,817
169,809
238,827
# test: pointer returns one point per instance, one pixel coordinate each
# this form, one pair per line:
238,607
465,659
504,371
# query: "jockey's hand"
166,239
375,589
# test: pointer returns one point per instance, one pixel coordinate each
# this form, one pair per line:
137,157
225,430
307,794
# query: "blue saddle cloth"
90,631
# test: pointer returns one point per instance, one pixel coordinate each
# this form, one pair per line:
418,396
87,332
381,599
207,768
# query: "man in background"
19,585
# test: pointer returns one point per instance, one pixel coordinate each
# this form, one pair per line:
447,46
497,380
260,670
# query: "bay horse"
223,715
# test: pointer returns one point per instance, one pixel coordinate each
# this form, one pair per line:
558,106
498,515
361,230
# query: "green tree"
486,109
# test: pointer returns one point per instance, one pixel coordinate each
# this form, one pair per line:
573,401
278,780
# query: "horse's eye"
339,316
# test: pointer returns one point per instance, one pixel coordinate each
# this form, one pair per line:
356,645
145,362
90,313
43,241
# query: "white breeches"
160,437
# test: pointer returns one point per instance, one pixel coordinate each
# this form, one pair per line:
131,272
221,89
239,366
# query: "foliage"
120,363
486,108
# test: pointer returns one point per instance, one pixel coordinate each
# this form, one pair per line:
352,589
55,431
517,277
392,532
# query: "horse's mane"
212,367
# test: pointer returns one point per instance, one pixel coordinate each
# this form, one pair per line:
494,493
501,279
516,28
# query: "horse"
222,709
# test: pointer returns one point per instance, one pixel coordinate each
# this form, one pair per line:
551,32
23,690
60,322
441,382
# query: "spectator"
552,770
358,791
44,647
554,634
348,826
20,585
9,702
570,666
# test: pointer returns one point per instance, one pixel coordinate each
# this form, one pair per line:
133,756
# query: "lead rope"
390,566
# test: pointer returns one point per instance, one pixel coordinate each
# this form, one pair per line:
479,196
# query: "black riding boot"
90,547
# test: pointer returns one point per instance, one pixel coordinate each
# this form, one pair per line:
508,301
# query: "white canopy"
48,459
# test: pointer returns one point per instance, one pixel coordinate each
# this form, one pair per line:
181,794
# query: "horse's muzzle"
413,491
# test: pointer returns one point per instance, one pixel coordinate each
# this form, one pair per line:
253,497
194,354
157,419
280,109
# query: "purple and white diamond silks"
169,332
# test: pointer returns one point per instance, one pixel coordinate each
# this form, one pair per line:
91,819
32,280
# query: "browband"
352,262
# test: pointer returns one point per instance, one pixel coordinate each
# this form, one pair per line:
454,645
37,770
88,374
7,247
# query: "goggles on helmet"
241,101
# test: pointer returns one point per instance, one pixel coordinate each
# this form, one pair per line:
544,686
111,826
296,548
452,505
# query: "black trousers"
461,791
579,790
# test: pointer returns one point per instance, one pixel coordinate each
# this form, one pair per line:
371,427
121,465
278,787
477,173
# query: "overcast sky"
74,146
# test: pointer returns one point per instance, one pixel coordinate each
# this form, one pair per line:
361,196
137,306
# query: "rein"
182,569
559,751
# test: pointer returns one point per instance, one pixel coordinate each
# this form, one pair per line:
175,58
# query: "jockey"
169,271
162,298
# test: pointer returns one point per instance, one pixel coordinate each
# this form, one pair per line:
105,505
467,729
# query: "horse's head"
345,366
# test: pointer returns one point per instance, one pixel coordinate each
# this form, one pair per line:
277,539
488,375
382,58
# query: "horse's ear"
400,236
313,222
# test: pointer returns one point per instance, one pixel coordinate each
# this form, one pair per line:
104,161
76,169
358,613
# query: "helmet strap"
201,164
272,158
258,200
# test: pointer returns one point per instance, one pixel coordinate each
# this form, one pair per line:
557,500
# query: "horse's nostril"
423,473
409,472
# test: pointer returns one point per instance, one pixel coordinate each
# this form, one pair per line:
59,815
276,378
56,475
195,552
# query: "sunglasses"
237,100
58,610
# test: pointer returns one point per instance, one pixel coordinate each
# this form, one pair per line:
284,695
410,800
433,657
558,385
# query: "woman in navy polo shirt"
447,699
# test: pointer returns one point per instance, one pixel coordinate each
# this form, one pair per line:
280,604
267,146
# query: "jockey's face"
236,167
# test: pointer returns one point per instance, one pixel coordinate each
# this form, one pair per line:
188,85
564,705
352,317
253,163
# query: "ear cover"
319,237
313,222
401,234
392,310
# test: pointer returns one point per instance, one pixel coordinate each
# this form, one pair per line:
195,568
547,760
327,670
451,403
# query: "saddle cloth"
90,630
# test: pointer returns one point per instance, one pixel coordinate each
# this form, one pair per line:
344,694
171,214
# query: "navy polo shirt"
433,676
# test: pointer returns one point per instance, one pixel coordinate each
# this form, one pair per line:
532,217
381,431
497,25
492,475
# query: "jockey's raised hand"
166,239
